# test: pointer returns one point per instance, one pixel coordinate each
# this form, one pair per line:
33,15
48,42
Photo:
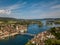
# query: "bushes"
29,43
52,42
56,32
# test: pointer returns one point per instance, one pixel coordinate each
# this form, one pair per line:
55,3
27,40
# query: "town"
11,30
49,37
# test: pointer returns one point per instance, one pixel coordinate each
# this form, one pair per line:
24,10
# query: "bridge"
28,34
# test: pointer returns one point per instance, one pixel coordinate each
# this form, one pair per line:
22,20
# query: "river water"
23,39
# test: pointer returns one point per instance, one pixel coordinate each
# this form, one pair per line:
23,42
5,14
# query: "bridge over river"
28,34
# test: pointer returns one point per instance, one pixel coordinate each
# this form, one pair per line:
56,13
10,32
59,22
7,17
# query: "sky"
30,9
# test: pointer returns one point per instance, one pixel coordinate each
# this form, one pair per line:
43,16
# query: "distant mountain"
9,18
52,18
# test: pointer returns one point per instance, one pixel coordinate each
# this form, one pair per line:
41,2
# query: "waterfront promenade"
13,34
8,35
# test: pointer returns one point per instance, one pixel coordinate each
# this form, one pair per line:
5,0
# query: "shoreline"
12,34
4,36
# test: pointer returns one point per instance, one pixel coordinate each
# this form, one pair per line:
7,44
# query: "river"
23,39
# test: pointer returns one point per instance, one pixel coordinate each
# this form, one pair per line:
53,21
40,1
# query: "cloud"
8,9
5,12
32,10
55,7
16,6
46,15
52,14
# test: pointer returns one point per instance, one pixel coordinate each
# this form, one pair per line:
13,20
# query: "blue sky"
30,9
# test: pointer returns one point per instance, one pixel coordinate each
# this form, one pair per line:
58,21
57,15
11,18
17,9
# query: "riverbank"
47,37
8,35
